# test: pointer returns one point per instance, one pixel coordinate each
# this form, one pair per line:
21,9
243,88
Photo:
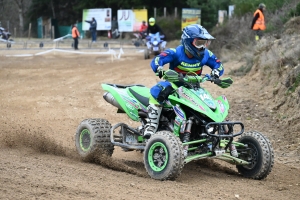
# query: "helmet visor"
151,23
199,43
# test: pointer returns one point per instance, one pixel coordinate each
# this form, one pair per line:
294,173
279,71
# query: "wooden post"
52,36
165,11
15,32
29,31
175,12
154,12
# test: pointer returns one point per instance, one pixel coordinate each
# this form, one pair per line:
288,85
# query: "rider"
190,56
153,28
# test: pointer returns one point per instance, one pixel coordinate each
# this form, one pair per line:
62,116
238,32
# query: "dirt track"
44,98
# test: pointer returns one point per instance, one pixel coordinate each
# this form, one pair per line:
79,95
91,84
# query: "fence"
66,43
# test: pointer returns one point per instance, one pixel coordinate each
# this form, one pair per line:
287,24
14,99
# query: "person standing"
93,28
143,27
258,22
75,36
114,28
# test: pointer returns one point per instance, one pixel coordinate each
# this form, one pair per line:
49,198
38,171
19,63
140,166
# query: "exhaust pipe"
110,99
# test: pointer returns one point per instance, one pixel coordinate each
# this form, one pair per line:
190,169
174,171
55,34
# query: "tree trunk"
20,5
53,11
21,23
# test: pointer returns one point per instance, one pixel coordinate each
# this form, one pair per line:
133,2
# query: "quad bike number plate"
155,48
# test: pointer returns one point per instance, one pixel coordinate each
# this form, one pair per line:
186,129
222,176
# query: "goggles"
151,23
199,43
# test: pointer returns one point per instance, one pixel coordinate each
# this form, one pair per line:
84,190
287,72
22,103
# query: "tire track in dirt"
25,136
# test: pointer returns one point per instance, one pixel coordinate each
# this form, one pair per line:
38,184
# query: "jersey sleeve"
212,61
163,58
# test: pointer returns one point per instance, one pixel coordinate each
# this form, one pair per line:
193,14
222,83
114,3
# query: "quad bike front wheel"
93,135
163,156
259,153
146,54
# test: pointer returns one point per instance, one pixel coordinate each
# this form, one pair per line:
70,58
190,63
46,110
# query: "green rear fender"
128,103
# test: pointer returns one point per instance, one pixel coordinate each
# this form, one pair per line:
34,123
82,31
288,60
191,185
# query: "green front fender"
222,106
218,115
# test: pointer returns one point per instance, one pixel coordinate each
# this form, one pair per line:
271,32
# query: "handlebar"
191,79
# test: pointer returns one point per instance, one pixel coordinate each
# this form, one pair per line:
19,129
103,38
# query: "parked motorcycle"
5,35
139,39
192,126
155,45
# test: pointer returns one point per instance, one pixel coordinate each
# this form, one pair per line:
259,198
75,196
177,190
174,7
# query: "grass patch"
295,84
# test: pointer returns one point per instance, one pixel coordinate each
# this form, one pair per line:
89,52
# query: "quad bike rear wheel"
93,135
163,156
259,153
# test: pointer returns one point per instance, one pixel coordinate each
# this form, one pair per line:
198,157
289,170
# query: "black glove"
160,72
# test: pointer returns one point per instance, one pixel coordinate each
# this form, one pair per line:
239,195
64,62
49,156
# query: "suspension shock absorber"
187,131
186,136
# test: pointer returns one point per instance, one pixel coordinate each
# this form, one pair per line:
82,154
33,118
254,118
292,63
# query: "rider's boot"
154,112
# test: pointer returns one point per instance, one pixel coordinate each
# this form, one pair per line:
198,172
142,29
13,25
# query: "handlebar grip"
217,81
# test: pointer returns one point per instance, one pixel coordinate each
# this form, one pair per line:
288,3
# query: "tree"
7,7
20,7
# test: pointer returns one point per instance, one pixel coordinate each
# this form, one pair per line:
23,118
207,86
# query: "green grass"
295,85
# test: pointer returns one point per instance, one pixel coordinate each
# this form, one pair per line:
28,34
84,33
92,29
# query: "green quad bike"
192,126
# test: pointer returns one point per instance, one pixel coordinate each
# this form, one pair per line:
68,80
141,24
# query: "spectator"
115,28
93,29
75,36
258,22
143,27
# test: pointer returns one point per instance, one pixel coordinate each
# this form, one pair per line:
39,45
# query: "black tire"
93,135
146,54
163,156
136,43
260,153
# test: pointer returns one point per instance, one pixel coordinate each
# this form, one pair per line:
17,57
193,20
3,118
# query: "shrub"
171,27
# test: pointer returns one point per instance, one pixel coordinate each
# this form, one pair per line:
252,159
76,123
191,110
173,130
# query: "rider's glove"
215,74
160,71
